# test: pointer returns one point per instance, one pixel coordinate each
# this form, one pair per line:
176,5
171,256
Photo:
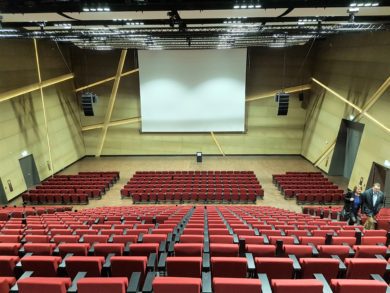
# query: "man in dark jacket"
373,200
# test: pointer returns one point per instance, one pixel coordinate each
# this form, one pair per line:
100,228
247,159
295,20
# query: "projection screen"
192,90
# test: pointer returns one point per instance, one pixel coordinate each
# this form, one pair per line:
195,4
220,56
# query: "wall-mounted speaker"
87,101
282,99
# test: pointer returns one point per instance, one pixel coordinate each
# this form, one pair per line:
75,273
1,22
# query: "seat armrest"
111,239
206,282
326,288
296,240
266,240
27,274
140,237
170,237
342,266
163,246
296,265
378,256
73,287
56,251
206,262
126,250
265,285
162,262
235,239
151,262
251,262
62,264
147,288
21,251
257,233
315,252
206,247
107,263
171,248
134,283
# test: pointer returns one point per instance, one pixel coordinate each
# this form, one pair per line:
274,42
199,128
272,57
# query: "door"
29,170
3,197
380,174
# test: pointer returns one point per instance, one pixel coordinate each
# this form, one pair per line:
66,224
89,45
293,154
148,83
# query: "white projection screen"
192,90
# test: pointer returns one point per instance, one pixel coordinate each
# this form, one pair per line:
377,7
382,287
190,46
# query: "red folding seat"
296,286
176,284
39,248
55,231
188,249
10,248
229,267
144,249
103,249
368,251
37,285
338,240
185,266
275,267
329,267
362,268
124,238
222,249
153,238
77,249
7,265
66,238
191,238
379,233
124,266
221,238
262,250
96,238
233,285
6,283
136,231
285,239
102,285
373,240
341,251
253,239
92,265
82,232
43,266
37,238
297,233
358,286
298,250
316,240
10,238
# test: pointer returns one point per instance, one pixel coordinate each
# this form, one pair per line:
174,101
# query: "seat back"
7,265
296,286
229,267
43,266
275,267
39,285
143,249
362,268
103,249
329,267
184,266
188,249
234,285
261,250
39,248
222,249
328,250
102,285
367,251
124,266
358,286
176,284
298,250
92,265
191,238
77,249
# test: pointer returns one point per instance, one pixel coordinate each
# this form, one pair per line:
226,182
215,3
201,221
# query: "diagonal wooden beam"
106,80
289,90
33,87
371,101
217,143
43,106
111,102
112,123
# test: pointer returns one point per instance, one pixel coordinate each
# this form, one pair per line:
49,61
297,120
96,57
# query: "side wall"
355,66
21,119
266,132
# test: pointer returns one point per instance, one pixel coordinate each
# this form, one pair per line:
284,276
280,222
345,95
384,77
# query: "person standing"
373,200
352,205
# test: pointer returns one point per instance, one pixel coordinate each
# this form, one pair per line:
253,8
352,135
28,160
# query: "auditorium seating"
193,186
71,189
225,248
308,187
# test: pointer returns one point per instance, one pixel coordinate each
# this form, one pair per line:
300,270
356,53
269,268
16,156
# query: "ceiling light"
100,9
251,6
243,6
367,4
258,6
92,9
236,6
106,9
375,4
360,5
85,9
352,4
353,9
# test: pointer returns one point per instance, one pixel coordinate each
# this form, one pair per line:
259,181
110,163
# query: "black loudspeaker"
283,100
87,101
199,157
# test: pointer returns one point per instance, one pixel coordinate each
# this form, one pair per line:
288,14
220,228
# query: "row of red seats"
7,212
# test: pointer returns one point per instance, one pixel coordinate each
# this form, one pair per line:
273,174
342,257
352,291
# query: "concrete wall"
21,119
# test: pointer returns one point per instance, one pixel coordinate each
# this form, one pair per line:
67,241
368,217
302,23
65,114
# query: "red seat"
39,248
96,238
253,239
6,283
37,238
10,248
298,250
124,266
358,286
66,238
234,285
192,238
103,249
369,250
124,238
329,267
373,240
176,284
92,265
7,265
77,249
43,266
222,249
153,238
221,239
102,285
341,251
296,286
275,267
39,285
261,250
362,268
184,267
188,249
229,267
